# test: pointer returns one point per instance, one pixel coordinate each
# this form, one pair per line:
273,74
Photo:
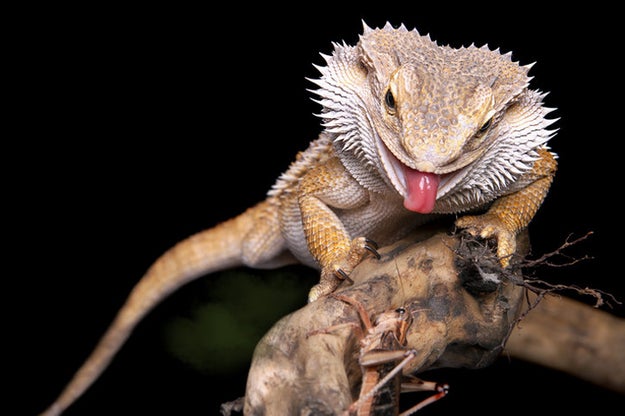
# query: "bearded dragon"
411,129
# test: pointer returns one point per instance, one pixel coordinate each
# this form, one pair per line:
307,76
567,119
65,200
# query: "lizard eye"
485,126
389,100
400,311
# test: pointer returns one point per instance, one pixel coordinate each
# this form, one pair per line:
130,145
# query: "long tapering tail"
208,251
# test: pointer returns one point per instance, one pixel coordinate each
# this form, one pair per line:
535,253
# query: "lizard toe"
489,226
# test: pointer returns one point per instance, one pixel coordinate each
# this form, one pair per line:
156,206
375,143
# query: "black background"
136,127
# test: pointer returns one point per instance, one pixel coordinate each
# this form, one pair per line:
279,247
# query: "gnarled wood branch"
464,310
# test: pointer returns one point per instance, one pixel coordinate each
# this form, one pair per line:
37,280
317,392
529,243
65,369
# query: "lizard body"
410,129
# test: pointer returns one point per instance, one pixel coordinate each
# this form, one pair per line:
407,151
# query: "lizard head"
430,125
417,112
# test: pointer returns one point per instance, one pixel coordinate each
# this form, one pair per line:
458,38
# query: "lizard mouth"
419,189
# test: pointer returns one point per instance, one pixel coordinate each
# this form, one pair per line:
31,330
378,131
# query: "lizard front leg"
510,214
321,191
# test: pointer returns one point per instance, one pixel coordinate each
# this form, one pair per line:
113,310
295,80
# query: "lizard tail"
208,251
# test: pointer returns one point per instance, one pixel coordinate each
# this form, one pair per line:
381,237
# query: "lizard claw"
371,243
372,247
340,274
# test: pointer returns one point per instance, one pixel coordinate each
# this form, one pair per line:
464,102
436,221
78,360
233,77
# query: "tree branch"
465,308
570,336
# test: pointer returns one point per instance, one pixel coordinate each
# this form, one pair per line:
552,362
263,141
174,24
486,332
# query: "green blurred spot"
238,308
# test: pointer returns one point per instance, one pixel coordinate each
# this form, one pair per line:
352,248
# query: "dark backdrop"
137,127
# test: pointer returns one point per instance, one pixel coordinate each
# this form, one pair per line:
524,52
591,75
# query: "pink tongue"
422,189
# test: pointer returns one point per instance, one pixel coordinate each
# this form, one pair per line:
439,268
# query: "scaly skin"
510,214
411,128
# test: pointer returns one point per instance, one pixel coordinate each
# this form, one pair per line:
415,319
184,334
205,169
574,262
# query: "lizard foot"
490,226
340,269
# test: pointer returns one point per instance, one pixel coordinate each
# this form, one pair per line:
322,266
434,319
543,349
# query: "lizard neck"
363,166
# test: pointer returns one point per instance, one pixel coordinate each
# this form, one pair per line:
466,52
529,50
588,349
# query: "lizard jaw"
419,189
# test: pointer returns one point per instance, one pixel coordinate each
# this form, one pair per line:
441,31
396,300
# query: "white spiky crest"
341,92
